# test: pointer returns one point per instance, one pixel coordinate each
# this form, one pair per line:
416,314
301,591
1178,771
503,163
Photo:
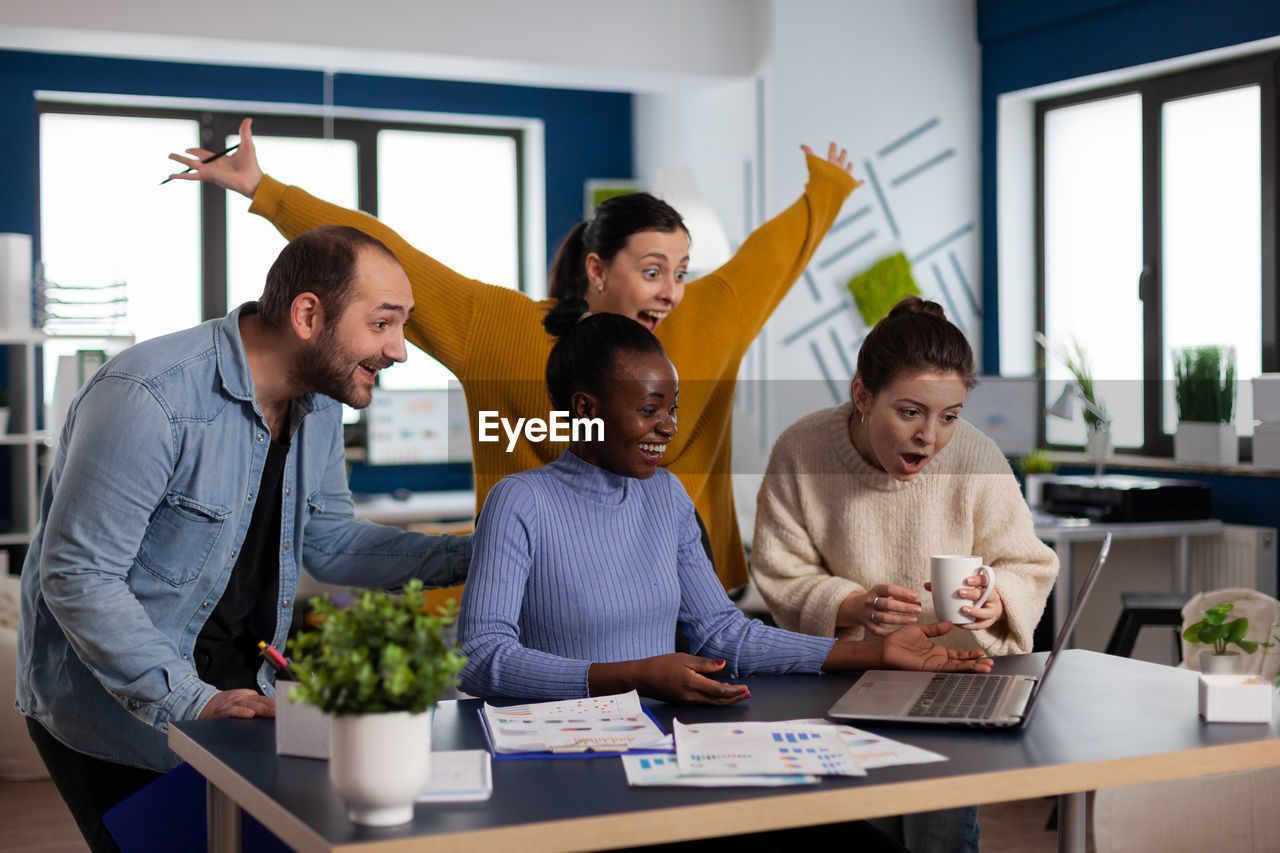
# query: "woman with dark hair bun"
584,568
857,498
631,259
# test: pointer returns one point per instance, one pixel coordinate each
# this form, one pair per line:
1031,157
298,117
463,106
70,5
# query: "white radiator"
1241,556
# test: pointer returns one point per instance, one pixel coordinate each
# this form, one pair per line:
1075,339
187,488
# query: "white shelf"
12,337
15,538
27,438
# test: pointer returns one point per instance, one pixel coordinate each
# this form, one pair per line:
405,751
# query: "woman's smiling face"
908,422
639,412
644,280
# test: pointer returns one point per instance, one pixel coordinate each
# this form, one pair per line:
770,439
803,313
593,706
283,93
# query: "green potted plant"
1205,390
1072,356
1035,467
1214,630
377,666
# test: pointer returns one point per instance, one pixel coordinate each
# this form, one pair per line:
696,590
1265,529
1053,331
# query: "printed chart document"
873,750
769,749
645,771
598,723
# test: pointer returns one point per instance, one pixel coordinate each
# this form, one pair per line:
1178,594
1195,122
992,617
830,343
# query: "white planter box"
301,730
1235,699
1207,444
1266,397
1266,446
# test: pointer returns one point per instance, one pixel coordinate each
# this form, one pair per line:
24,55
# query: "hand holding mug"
964,592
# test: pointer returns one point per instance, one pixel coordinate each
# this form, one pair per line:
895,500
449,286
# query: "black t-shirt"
227,649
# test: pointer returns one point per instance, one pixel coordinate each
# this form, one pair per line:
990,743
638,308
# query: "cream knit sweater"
828,524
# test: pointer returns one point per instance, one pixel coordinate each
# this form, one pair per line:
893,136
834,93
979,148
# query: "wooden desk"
1102,721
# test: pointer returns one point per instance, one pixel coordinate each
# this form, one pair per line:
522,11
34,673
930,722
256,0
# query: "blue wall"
1027,44
587,135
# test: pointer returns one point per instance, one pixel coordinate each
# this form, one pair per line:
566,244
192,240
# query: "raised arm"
444,324
770,260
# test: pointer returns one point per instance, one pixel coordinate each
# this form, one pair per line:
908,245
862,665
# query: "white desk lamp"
1064,408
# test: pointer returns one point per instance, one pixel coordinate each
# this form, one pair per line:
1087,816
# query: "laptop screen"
1069,625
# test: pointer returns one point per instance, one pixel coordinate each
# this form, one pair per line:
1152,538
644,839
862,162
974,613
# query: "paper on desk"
644,771
737,749
603,723
872,750
460,775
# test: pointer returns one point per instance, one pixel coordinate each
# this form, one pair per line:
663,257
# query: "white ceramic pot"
1205,443
379,764
1224,664
1098,444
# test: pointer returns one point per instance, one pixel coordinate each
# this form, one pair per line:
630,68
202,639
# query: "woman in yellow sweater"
492,339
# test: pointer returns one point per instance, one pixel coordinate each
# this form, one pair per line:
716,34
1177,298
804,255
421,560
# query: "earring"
599,288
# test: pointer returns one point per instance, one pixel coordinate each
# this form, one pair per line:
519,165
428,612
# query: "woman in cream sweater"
858,497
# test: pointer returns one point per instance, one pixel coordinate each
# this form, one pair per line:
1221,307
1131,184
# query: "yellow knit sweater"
492,339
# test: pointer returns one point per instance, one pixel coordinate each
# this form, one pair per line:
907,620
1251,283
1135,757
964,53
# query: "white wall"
583,43
865,74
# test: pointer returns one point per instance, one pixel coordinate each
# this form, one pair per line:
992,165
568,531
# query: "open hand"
678,677
238,703
836,156
912,647
237,171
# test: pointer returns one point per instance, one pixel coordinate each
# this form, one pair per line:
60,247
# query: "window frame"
215,126
1262,70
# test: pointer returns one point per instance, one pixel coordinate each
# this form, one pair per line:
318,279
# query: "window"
452,190
1157,231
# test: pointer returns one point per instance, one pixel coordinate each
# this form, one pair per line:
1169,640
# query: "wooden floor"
33,819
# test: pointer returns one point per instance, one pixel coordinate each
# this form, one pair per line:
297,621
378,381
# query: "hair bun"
916,305
564,316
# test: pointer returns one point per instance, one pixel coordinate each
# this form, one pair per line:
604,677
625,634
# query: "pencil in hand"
224,152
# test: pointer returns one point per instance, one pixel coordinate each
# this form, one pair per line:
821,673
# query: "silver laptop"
960,699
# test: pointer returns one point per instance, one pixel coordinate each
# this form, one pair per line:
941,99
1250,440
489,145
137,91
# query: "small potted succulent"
1205,390
377,666
1214,630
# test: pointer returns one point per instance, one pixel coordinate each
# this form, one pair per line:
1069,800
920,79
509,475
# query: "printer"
1120,498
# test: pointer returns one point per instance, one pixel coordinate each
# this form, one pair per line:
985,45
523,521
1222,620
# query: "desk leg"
223,829
1072,830
1064,589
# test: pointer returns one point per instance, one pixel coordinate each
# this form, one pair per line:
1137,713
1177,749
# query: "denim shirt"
141,521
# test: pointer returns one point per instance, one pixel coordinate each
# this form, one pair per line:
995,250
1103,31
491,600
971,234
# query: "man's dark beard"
327,368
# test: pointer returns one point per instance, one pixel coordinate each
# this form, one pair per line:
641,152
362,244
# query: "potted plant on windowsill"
377,666
1097,443
1205,389
1035,468
1214,630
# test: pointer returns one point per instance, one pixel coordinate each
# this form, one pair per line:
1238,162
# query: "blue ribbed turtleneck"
576,565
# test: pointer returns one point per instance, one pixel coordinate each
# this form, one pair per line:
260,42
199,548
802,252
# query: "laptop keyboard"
963,696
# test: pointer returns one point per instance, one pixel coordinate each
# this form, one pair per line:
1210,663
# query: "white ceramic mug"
947,574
